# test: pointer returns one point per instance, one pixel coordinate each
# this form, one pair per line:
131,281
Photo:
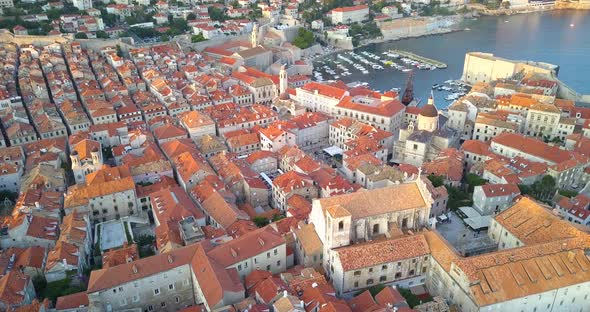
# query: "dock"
419,58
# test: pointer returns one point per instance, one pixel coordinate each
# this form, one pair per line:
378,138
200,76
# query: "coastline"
437,32
477,11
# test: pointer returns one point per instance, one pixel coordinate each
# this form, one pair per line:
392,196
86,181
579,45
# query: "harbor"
344,64
516,43
420,59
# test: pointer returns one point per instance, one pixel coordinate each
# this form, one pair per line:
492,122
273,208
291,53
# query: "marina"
516,43
420,59
345,63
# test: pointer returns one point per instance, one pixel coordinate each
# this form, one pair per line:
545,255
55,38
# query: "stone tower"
75,159
283,80
254,36
96,157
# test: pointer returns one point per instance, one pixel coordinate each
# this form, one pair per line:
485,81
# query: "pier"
419,58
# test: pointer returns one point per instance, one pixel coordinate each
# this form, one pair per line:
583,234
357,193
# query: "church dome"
429,111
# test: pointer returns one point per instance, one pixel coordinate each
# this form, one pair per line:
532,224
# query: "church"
421,141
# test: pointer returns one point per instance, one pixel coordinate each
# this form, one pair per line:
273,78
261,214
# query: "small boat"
434,86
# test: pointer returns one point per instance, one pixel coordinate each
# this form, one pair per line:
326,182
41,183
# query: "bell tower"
283,80
254,36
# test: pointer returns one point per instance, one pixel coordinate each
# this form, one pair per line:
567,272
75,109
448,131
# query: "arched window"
375,228
340,225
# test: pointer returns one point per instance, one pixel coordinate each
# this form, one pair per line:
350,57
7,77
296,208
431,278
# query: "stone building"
403,261
541,265
366,215
108,194
196,274
542,120
421,142
289,184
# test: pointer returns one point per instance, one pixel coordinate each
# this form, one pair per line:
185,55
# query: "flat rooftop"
112,235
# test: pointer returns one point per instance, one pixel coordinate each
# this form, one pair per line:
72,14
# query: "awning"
333,150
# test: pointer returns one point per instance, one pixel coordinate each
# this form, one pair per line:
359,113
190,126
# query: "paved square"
112,235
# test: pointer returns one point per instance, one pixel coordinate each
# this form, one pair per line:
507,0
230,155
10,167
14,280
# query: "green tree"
436,180
101,34
568,193
304,39
191,16
145,32
276,217
140,16
81,35
198,38
375,289
40,284
108,19
177,27
458,198
260,221
474,180
544,188
119,51
216,14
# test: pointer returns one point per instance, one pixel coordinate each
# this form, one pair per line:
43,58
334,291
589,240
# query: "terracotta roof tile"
374,253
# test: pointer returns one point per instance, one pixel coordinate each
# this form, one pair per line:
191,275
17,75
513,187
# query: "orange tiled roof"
374,253
324,90
118,256
72,301
528,145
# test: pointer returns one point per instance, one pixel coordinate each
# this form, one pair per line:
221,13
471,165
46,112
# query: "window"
382,278
163,304
239,267
356,284
340,225
177,299
171,286
375,228
135,298
370,281
398,275
268,267
156,291
383,267
357,273
123,301
279,263
150,308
